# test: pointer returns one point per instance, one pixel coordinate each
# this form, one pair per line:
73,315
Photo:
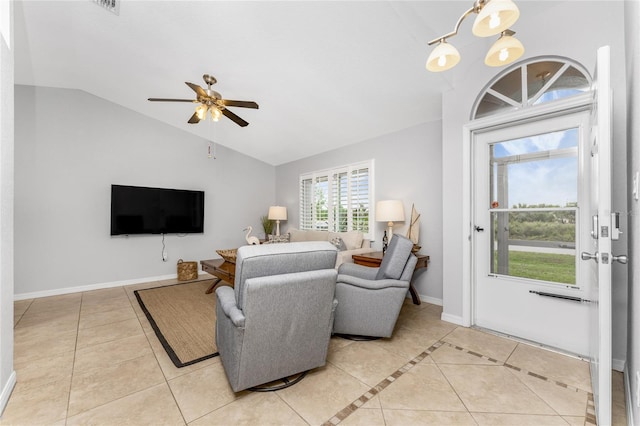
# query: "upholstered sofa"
354,242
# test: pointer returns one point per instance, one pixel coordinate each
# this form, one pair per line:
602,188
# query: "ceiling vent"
111,5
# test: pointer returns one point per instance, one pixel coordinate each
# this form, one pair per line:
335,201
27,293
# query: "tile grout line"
366,397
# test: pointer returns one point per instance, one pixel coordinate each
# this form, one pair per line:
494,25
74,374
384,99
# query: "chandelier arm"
457,27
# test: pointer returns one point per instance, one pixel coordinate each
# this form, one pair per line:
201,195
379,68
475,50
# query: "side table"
374,259
221,269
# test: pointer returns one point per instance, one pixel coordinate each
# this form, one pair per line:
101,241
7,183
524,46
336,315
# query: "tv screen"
140,210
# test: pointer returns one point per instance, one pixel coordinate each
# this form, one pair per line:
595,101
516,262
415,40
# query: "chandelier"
494,17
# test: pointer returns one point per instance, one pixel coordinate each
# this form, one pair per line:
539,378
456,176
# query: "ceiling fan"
211,101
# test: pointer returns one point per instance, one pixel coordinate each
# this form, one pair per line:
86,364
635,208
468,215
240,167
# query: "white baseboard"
99,286
6,391
618,364
432,300
629,403
454,319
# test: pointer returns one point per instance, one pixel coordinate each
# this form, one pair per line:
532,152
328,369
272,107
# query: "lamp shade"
504,51
389,211
495,17
443,57
277,213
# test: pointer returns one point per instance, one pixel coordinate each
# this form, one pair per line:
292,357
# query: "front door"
529,223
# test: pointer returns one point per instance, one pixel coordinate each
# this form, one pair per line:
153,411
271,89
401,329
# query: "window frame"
307,201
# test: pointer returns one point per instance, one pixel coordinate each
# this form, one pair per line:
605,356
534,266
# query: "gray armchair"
277,320
369,299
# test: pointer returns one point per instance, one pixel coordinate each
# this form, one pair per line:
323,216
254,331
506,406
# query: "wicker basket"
228,255
187,270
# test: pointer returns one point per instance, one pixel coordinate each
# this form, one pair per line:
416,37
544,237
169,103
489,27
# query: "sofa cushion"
298,235
352,239
274,239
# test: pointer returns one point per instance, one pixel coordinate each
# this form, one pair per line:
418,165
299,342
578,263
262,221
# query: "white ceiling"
325,73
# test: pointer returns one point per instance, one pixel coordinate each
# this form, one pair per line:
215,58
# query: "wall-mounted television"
142,210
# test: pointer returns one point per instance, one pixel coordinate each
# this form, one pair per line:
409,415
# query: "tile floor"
92,358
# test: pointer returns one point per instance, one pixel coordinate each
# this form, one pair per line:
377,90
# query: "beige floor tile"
365,417
423,387
54,303
417,418
562,368
493,389
252,408
367,362
40,405
480,342
152,406
428,323
324,392
109,332
21,306
113,304
100,386
373,403
577,421
36,347
94,319
446,354
406,342
57,321
564,401
54,368
109,353
618,408
103,295
517,419
337,343
202,391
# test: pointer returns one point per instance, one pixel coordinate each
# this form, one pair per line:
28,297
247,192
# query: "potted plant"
267,226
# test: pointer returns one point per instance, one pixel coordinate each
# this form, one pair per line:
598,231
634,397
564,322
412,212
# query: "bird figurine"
251,240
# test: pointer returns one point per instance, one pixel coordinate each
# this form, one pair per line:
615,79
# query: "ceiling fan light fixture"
201,111
495,17
215,113
504,51
443,57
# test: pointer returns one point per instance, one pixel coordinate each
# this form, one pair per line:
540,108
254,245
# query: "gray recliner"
277,320
369,299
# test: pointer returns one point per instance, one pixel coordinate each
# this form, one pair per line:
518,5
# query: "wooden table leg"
215,283
414,295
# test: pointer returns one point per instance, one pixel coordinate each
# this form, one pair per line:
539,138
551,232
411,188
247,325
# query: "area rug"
184,318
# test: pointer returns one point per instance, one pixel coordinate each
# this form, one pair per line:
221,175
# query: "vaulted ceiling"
325,73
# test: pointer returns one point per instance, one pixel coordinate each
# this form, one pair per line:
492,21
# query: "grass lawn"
559,268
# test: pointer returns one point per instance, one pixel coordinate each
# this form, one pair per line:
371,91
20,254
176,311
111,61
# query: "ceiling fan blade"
239,121
242,104
170,100
194,118
199,90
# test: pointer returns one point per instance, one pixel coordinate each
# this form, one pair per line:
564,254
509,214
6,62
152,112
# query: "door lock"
620,259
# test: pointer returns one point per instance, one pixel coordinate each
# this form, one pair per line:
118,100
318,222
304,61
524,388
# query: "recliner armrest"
360,271
371,284
227,301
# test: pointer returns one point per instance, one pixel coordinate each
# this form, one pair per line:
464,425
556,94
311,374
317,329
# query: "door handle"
620,259
478,229
588,256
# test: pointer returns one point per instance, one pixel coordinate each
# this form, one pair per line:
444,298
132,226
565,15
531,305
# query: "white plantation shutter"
338,199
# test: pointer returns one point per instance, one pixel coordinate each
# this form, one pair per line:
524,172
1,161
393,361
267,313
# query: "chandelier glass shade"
202,110
494,17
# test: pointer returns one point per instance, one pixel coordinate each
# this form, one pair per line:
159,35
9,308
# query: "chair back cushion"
395,258
277,259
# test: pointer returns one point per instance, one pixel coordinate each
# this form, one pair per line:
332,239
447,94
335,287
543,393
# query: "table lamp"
389,211
277,213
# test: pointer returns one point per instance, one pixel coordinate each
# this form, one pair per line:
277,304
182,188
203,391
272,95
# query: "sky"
548,181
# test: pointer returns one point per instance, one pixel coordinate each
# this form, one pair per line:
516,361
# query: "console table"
373,260
221,269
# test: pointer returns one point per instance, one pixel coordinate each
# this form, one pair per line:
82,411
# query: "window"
531,83
338,199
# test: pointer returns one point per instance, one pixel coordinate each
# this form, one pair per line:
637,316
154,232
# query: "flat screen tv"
141,210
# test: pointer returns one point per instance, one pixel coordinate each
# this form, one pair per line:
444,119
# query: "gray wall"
632,42
7,375
594,24
407,167
71,146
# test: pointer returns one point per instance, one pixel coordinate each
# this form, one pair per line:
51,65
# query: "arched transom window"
530,83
